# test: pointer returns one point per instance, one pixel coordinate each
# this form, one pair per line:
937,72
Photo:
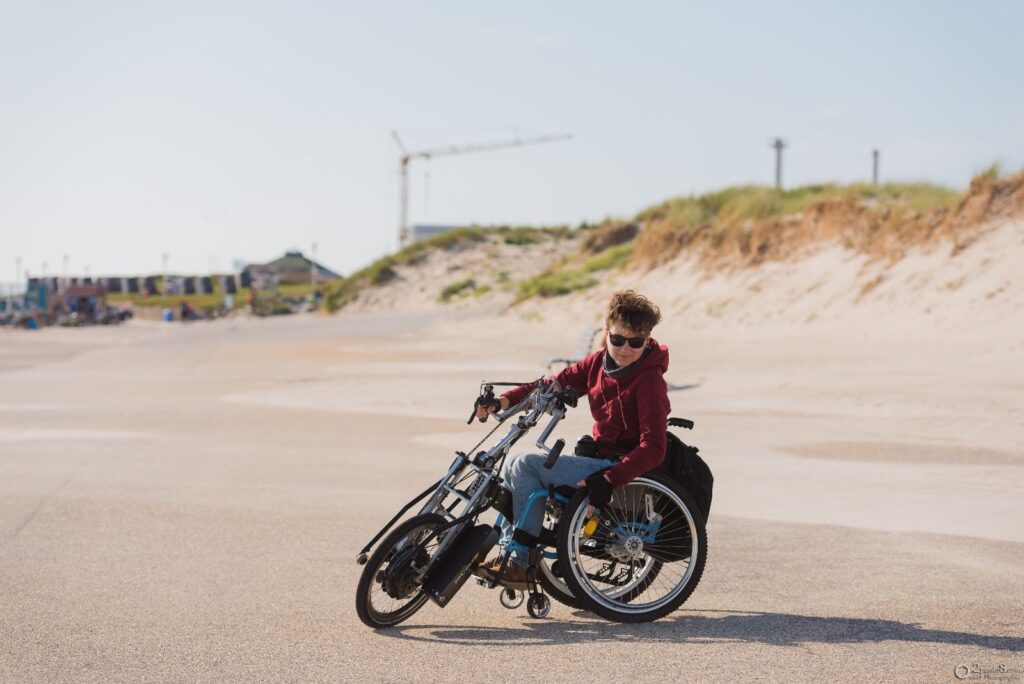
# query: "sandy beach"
186,503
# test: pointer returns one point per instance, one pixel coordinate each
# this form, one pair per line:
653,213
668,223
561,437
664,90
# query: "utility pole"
779,144
407,156
14,284
874,167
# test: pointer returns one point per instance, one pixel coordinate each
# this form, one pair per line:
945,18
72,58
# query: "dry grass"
748,225
610,233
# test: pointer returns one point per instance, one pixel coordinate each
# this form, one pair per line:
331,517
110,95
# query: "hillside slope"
747,256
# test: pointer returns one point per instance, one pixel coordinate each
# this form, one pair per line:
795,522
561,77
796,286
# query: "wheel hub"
628,548
398,579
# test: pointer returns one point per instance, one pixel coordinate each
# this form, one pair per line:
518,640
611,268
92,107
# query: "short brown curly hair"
633,310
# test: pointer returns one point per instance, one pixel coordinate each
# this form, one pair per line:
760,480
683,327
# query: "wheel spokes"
635,577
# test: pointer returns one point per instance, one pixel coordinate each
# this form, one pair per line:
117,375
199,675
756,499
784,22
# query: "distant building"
85,299
292,268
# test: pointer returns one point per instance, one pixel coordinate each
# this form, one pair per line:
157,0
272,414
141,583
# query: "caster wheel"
511,599
538,606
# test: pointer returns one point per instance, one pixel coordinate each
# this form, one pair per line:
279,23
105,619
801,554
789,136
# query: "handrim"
575,564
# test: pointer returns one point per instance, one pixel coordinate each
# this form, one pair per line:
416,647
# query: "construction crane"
407,156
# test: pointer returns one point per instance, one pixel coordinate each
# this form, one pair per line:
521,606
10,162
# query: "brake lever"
486,398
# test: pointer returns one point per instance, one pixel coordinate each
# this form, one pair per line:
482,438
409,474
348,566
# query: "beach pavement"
186,502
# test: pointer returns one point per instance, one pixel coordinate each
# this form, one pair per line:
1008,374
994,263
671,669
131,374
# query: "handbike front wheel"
645,557
388,592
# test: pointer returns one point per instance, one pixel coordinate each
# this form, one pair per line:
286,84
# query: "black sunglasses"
619,340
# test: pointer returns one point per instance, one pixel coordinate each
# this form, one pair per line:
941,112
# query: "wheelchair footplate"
538,605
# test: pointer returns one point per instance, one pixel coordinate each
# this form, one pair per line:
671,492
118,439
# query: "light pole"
312,268
17,271
165,256
779,144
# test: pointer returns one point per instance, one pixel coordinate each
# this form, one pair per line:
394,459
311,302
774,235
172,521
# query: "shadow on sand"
776,629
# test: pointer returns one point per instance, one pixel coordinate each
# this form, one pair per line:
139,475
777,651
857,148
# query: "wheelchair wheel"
645,556
388,592
552,579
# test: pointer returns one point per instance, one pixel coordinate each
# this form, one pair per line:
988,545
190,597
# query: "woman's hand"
599,489
483,410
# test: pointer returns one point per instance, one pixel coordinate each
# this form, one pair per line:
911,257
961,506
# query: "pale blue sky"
223,130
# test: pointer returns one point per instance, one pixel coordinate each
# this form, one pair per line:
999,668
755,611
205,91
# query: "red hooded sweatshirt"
630,411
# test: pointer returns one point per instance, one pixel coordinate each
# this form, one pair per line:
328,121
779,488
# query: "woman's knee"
510,465
523,464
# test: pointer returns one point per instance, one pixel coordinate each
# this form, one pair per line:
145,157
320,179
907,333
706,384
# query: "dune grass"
611,258
456,289
565,278
762,202
553,283
748,223
342,292
728,218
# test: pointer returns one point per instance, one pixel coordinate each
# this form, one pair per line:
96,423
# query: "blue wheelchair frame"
646,531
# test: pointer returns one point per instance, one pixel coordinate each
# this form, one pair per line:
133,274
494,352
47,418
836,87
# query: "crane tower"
407,156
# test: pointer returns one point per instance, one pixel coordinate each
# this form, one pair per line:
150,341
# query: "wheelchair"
635,560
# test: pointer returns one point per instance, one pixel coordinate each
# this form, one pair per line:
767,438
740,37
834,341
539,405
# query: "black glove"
487,402
599,489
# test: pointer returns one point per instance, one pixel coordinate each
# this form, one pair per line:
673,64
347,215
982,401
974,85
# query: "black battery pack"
451,570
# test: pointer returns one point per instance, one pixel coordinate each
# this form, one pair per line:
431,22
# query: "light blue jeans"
525,473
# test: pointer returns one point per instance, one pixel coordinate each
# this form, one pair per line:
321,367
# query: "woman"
628,396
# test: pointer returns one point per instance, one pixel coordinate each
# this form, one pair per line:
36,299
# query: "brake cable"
488,435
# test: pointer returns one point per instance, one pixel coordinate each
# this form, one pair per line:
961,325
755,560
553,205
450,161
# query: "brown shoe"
513,578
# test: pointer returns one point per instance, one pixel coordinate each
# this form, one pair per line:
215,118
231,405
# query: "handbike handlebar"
557,416
547,397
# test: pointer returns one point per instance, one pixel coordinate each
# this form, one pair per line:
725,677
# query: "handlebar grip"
555,452
680,422
487,399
